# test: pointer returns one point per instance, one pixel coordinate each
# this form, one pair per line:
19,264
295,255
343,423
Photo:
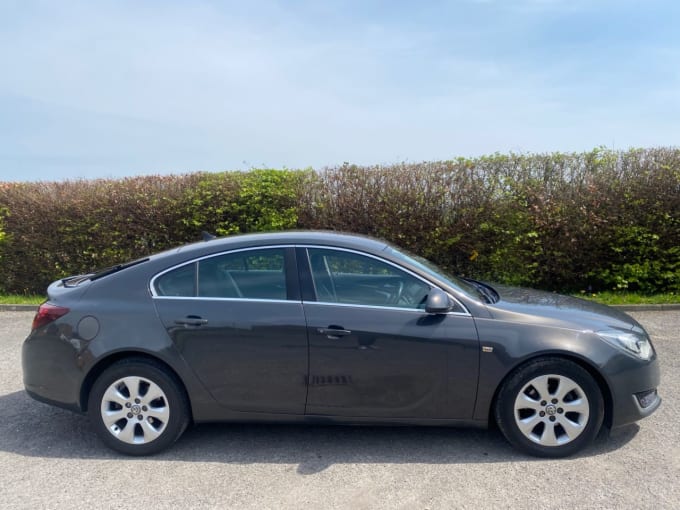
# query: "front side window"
249,274
351,278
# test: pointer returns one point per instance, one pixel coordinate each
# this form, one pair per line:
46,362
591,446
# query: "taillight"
48,313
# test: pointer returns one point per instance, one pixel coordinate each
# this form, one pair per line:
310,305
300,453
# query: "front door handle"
191,320
334,333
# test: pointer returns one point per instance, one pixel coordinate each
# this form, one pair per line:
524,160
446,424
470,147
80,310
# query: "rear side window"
248,274
251,274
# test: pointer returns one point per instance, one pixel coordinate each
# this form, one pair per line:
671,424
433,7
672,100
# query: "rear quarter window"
180,282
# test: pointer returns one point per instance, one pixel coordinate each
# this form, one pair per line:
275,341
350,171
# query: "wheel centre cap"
136,409
550,410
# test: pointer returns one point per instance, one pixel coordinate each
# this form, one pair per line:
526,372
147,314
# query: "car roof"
315,237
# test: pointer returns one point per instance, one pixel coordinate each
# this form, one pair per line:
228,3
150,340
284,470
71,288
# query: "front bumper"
634,388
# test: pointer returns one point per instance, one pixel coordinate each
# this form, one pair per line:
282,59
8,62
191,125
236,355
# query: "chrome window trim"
154,295
420,311
152,282
249,300
389,262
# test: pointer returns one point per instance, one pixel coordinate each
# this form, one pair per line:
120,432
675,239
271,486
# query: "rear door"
237,319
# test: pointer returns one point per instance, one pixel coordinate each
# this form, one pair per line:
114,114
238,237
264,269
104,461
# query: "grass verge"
631,298
18,299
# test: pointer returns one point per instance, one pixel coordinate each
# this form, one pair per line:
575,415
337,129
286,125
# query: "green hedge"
600,220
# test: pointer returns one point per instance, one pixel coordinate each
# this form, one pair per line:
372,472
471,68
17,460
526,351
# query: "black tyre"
137,407
550,407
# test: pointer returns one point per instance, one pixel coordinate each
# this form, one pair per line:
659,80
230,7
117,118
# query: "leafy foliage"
595,221
600,220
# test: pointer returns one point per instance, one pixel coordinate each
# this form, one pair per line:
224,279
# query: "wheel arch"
583,363
115,357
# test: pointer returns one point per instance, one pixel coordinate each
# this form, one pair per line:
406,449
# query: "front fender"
505,347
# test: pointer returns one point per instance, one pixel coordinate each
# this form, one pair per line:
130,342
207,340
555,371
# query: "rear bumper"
45,400
51,373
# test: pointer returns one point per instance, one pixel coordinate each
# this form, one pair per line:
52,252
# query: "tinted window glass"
254,274
178,282
350,278
434,270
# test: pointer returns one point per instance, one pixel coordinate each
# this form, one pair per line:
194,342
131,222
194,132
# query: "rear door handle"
191,321
334,333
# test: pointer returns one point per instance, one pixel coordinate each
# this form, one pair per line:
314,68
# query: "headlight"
634,343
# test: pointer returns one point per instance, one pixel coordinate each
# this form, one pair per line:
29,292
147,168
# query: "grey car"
328,328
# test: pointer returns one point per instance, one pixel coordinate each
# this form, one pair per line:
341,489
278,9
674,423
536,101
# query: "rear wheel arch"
111,359
592,370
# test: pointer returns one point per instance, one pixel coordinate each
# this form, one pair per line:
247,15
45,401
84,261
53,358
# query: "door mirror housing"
437,302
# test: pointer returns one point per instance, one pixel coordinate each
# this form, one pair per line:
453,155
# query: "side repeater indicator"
486,348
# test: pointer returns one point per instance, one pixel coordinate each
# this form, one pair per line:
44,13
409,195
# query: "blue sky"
106,89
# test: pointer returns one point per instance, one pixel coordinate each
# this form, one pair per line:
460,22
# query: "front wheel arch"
106,362
568,417
601,382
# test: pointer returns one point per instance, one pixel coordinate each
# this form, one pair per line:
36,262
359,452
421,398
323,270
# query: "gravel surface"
50,458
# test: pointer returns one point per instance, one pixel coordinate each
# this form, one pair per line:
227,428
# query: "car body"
322,327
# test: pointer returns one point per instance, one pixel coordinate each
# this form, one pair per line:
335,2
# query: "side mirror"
437,302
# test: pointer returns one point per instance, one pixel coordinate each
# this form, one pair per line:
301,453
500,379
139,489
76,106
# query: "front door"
374,352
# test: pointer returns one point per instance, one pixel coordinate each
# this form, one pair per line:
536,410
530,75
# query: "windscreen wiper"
74,281
487,292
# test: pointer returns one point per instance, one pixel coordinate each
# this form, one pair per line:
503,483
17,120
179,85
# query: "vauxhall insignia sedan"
321,327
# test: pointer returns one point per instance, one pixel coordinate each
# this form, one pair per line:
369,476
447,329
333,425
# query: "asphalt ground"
50,458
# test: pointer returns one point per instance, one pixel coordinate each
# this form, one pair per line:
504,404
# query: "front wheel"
550,407
137,407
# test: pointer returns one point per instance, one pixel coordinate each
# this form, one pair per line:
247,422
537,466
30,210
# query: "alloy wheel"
551,410
135,410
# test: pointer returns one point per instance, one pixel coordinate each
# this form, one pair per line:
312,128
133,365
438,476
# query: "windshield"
433,270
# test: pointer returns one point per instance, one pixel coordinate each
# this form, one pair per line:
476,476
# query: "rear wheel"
550,407
137,407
